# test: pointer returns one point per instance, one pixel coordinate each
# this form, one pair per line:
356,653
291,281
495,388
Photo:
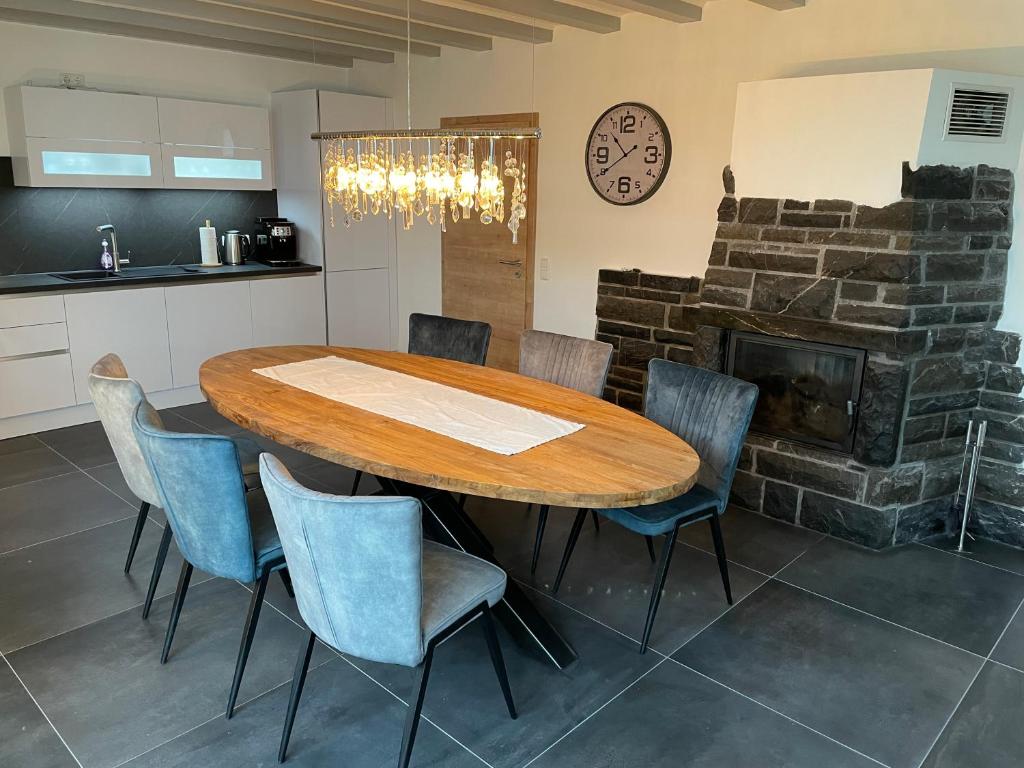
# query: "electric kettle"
236,246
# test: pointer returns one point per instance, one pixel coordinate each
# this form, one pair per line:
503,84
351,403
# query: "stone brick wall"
919,284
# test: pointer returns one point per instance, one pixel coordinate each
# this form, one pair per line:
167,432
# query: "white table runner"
466,416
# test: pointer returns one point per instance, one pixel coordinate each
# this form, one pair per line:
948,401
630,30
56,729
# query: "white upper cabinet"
60,113
215,146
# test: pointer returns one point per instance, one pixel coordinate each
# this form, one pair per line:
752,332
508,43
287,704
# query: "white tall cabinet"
360,261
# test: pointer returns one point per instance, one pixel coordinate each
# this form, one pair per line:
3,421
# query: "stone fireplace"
871,334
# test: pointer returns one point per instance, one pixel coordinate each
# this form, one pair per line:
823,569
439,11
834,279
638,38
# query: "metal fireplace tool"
972,456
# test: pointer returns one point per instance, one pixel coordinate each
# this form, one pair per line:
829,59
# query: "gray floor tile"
986,730
106,692
880,689
26,739
753,540
84,445
674,717
1010,649
610,575
464,699
985,551
344,719
24,459
297,460
950,598
333,478
62,584
109,475
45,509
203,415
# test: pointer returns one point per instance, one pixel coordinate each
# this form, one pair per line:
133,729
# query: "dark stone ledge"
867,526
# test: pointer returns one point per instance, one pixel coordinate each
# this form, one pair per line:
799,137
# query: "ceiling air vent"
977,114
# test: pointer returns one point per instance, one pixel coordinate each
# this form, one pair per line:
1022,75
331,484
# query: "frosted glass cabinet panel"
87,163
56,163
189,167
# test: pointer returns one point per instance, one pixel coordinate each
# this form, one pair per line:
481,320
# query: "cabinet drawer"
33,340
34,384
33,310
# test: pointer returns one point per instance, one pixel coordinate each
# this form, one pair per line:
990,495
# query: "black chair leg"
542,522
286,579
355,483
140,521
723,564
498,660
412,720
650,548
258,592
158,566
298,681
597,520
570,545
659,585
179,601
462,501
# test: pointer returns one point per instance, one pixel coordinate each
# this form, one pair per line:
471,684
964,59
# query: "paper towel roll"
208,245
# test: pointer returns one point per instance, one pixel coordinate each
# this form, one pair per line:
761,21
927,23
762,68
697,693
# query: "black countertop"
133,276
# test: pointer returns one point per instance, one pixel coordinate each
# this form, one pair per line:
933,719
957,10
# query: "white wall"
689,73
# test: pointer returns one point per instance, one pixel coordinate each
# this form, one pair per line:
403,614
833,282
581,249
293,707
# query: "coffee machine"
276,242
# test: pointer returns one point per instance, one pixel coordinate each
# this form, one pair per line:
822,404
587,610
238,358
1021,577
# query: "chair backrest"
580,364
356,566
708,410
199,479
116,397
435,336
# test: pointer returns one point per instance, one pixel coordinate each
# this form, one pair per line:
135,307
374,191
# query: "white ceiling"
337,32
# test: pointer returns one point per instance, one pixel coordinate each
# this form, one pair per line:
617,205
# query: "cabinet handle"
30,355
516,263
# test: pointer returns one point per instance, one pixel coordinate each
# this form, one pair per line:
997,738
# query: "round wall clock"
628,153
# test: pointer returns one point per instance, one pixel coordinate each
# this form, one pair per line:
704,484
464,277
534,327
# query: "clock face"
628,154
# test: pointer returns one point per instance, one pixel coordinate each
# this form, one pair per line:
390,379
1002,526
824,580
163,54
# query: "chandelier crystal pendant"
440,174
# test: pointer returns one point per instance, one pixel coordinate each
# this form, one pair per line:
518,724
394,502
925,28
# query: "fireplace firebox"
809,391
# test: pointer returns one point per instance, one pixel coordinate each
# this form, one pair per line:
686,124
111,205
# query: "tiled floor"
831,657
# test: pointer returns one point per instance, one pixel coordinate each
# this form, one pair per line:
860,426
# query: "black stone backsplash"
49,230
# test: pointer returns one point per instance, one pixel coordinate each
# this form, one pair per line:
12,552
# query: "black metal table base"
450,525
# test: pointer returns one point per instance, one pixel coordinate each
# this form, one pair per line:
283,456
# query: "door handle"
516,263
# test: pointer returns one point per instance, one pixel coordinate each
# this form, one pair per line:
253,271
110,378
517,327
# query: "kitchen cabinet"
35,365
359,312
130,323
288,311
205,320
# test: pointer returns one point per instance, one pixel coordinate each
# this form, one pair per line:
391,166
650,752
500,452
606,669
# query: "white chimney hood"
847,136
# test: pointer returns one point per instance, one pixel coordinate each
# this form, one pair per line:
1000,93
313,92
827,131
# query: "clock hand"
625,154
616,140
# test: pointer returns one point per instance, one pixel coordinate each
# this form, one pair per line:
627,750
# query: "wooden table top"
620,459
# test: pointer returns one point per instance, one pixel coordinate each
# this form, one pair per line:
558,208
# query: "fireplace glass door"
808,392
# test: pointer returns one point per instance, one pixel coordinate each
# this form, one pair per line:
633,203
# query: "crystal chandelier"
440,174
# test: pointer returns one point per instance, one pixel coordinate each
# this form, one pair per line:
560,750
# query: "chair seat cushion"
249,456
266,543
453,584
655,519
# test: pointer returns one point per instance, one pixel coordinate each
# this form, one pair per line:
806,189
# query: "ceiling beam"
781,5
453,18
117,29
279,25
555,12
671,10
348,18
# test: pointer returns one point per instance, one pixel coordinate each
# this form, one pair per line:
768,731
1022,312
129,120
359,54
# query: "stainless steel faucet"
118,261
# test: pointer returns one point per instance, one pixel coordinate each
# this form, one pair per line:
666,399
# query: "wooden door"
483,275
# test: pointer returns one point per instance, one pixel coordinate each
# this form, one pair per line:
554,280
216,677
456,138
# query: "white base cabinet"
131,323
35,365
288,311
360,309
204,321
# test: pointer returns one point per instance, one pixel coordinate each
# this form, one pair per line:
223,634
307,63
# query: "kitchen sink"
128,273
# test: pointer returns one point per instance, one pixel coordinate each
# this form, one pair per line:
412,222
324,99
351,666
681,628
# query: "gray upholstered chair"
569,361
465,341
220,526
368,585
711,412
116,397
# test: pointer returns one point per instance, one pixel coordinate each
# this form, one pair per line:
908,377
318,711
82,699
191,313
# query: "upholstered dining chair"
220,527
569,361
368,585
712,413
116,396
465,341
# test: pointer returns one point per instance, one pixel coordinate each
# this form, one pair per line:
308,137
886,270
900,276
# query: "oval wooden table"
619,459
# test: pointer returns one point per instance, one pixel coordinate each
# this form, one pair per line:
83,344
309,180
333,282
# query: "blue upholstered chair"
465,341
711,412
368,585
220,527
116,396
569,361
